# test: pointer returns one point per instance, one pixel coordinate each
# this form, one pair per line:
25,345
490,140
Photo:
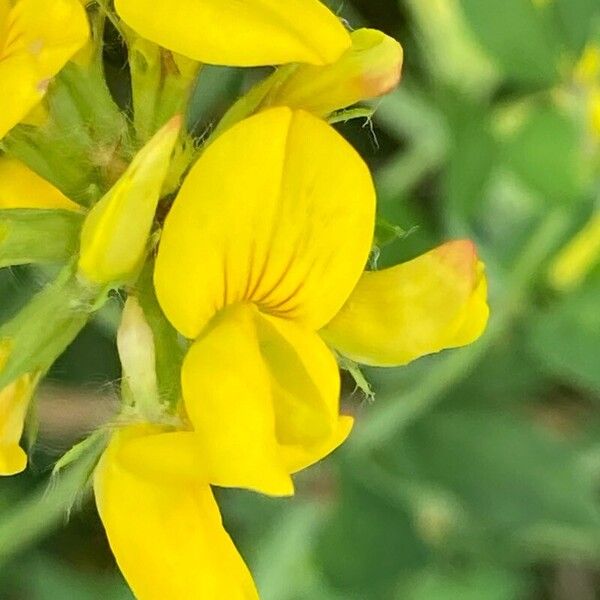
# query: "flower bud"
116,231
135,341
370,68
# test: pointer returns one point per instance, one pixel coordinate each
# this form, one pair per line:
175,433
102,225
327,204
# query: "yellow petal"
305,381
37,40
278,211
227,394
263,397
578,257
299,457
168,539
245,34
20,187
14,402
5,6
115,232
166,455
369,69
397,315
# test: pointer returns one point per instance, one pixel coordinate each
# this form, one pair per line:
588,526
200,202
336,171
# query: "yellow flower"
578,257
263,249
20,187
587,76
262,254
370,68
37,38
163,524
14,402
167,535
116,230
245,34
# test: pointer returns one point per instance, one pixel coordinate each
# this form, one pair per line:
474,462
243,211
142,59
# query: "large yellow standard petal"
167,538
278,211
37,38
14,403
245,34
396,315
20,187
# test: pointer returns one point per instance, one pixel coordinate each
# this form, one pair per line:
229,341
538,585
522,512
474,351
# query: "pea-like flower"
261,265
37,38
245,34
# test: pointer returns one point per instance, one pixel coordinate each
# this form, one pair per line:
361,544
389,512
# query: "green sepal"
95,443
357,375
348,114
169,349
32,340
253,100
31,235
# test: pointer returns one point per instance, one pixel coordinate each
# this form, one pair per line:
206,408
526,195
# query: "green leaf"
471,159
545,152
38,236
368,544
509,475
565,339
33,339
470,584
577,20
41,577
517,37
215,89
168,347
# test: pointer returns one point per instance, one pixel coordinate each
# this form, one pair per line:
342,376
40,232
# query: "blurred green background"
473,474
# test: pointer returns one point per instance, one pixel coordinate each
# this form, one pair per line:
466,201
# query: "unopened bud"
135,341
116,231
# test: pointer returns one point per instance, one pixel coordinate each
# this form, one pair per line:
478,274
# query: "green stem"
47,507
393,414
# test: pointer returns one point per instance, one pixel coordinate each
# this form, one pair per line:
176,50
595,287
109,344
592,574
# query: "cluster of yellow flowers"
250,287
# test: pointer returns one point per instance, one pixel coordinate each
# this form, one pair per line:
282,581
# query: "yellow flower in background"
245,34
578,257
587,76
20,187
264,246
37,38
